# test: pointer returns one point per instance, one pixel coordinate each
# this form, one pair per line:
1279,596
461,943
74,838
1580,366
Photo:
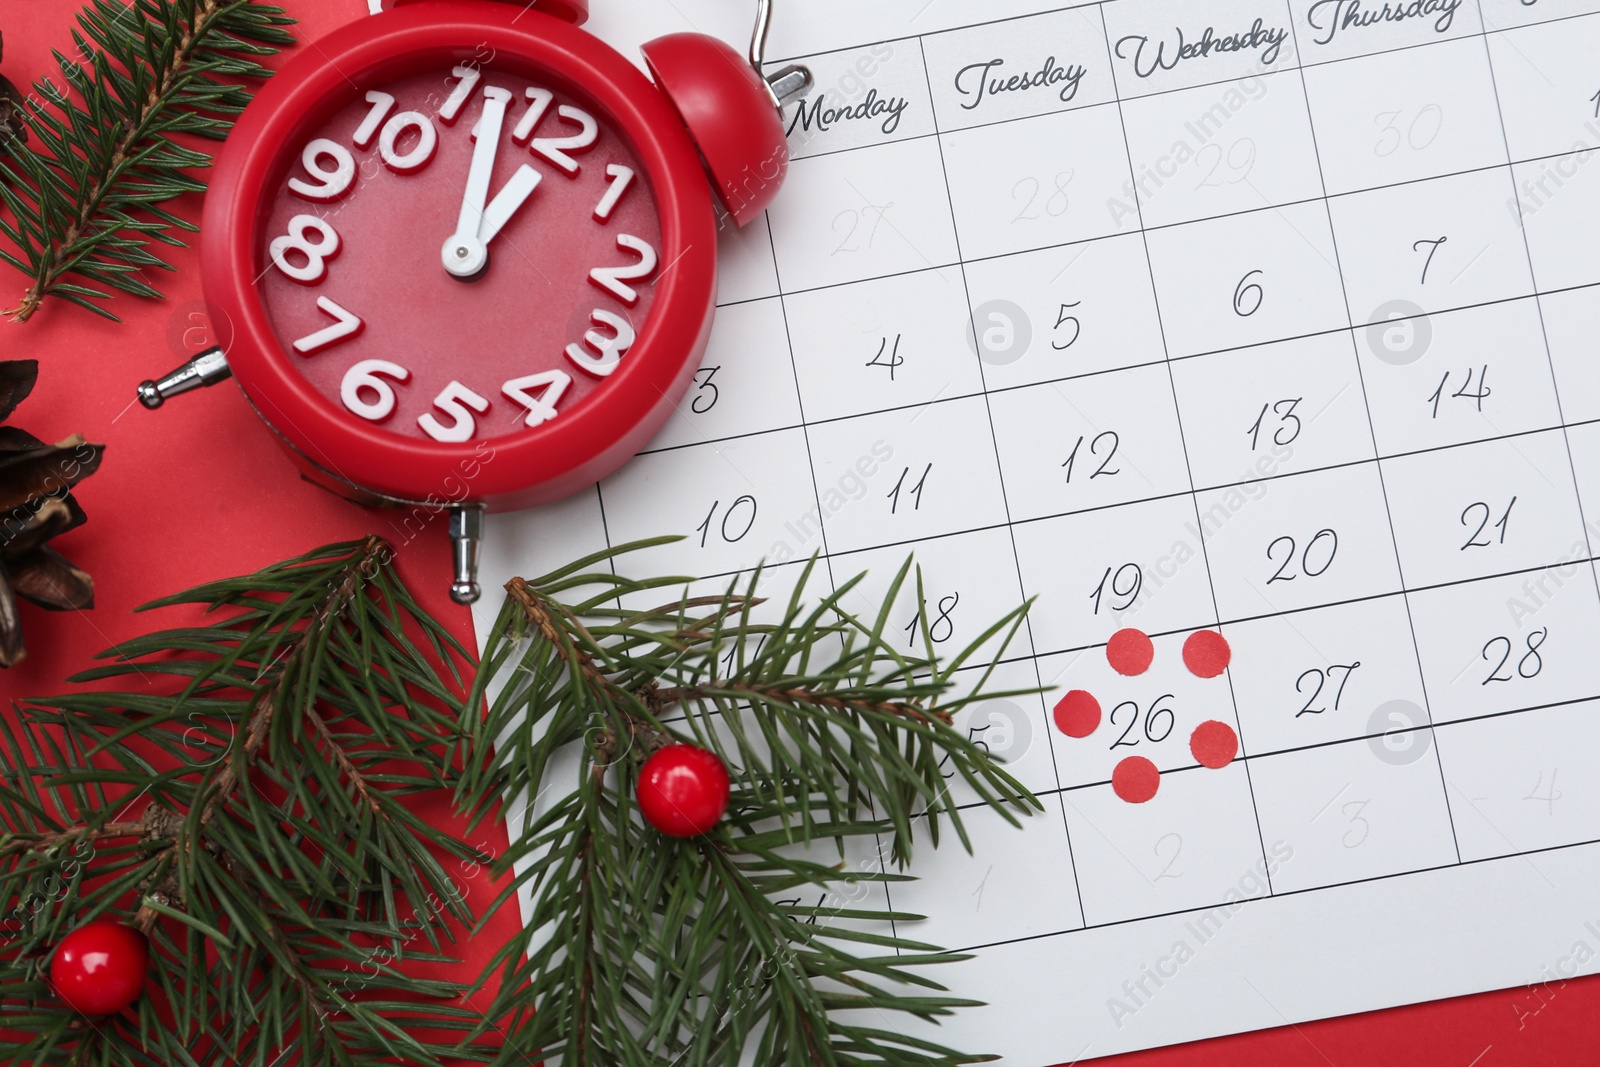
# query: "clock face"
460,254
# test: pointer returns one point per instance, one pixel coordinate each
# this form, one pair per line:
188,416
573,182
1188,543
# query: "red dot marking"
1130,652
1078,714
1206,653
1136,779
1214,744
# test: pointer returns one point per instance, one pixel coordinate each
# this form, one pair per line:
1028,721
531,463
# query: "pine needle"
113,142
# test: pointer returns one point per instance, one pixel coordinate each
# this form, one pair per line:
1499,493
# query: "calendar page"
1254,342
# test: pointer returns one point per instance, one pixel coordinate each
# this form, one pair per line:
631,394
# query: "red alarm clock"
467,252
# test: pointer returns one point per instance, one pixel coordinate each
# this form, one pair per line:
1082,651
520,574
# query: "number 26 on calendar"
1158,721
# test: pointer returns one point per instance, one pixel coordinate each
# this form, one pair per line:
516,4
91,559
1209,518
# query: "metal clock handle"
787,84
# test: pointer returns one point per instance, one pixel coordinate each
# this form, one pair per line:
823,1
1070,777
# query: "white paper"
1296,327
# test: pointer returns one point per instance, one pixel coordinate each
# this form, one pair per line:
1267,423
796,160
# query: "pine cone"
10,106
35,506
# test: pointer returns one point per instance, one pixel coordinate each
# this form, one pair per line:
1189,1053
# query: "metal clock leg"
208,368
466,541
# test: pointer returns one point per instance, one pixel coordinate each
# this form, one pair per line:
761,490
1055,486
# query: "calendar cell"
1404,116
1139,565
1571,323
745,385
969,582
747,269
867,213
1220,41
1299,541
1222,149
737,503
991,895
1194,846
1153,715
1277,409
1447,379
1524,782
933,472
828,904
1018,69
1329,30
882,344
1351,814
1483,509
1448,243
1247,279
1015,730
776,589
1090,442
1089,307
1560,203
1040,182
863,97
1315,677
1504,644
1545,74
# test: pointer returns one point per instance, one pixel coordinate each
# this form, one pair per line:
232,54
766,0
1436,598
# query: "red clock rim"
533,465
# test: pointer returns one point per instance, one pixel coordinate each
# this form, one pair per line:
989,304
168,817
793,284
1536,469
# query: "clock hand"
508,201
467,252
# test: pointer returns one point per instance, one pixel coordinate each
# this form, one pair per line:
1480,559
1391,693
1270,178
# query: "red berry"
100,968
683,790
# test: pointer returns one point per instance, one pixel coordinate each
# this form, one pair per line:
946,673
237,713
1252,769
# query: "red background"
199,491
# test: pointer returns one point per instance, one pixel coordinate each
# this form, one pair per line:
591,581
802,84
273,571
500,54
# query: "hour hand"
507,201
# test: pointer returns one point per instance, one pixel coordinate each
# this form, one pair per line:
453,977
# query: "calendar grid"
1180,318
1166,368
1016,559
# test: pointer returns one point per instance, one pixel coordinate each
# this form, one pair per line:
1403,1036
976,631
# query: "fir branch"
275,865
645,952
290,891
84,190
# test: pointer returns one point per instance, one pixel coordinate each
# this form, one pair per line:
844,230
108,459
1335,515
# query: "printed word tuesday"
980,80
